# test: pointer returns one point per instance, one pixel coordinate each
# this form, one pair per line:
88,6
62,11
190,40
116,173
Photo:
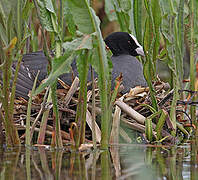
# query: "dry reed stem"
97,129
71,91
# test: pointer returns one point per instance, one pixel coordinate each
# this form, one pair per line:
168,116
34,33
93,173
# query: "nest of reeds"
133,109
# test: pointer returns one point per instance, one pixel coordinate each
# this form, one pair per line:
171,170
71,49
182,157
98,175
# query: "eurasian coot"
124,48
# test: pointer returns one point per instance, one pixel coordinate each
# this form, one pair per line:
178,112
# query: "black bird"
124,48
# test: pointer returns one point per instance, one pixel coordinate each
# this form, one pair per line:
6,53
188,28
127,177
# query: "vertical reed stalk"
28,163
105,168
55,105
93,109
12,137
137,16
14,84
58,142
19,5
192,60
27,129
82,99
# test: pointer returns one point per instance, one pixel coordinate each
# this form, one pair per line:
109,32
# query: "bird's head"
123,43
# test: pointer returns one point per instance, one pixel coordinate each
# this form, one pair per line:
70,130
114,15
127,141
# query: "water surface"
137,162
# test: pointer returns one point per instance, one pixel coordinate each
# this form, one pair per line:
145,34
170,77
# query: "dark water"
136,162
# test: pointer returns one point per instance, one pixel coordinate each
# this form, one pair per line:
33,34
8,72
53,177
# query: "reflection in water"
120,162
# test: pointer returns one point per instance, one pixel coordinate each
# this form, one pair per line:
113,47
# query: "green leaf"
156,9
149,129
160,124
3,35
162,54
69,19
180,40
137,16
81,15
55,23
82,66
148,65
149,107
49,6
180,25
9,27
148,34
84,42
181,128
27,9
45,16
